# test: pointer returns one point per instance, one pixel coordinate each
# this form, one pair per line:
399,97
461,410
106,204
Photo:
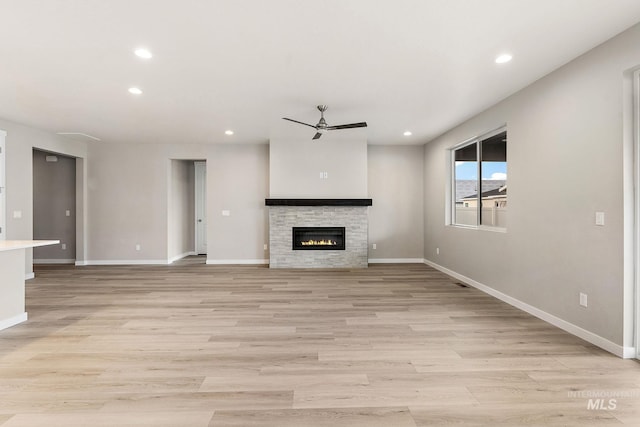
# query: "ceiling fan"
322,126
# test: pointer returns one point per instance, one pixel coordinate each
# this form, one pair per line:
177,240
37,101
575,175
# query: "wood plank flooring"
201,345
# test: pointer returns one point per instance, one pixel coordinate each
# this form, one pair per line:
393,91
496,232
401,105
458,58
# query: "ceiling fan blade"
349,126
317,135
302,123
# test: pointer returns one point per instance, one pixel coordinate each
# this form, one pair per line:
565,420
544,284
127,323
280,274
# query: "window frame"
451,216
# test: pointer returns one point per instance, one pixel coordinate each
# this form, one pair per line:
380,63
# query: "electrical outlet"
583,299
138,247
64,246
374,246
437,251
67,212
226,213
266,246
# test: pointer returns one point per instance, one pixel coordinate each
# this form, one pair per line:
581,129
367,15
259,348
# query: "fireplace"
318,238
349,250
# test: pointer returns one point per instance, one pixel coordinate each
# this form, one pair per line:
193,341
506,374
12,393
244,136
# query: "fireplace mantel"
318,202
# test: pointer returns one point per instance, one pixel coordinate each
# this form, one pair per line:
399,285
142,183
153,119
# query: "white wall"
295,167
396,219
565,162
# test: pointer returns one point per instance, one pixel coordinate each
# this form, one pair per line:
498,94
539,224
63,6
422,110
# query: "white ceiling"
419,65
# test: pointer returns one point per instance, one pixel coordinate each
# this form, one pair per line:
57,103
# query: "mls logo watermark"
603,400
602,404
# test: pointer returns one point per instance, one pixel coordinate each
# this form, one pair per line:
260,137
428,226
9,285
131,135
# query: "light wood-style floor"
200,345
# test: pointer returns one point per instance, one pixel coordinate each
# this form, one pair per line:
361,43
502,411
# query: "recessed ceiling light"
503,59
135,91
143,53
407,133
228,132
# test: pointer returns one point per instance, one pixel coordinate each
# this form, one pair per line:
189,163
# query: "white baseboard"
124,262
605,344
12,321
29,276
238,261
396,260
54,261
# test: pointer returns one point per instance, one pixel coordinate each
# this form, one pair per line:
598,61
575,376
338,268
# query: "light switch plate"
583,299
599,218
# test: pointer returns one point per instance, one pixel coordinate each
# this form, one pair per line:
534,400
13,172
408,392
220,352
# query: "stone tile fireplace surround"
284,214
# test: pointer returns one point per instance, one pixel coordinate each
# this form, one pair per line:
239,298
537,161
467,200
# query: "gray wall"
238,182
54,193
182,209
295,168
565,162
129,187
20,142
128,202
396,219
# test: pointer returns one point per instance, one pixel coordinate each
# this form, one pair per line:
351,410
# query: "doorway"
187,219
54,207
201,207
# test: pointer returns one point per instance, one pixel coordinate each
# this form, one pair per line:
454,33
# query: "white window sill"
480,227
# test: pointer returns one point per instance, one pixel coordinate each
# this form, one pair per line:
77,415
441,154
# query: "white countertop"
10,245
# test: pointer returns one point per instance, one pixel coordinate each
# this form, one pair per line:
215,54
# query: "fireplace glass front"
318,238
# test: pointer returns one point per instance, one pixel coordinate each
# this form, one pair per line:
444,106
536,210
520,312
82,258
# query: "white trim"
237,261
200,206
479,227
12,321
3,188
635,249
29,276
396,260
54,261
124,262
179,257
618,350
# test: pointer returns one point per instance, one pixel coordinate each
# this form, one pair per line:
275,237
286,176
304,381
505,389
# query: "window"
479,193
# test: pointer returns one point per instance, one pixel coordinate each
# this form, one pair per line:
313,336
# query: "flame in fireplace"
319,243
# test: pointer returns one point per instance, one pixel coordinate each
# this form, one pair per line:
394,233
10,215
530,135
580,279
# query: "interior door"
201,207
